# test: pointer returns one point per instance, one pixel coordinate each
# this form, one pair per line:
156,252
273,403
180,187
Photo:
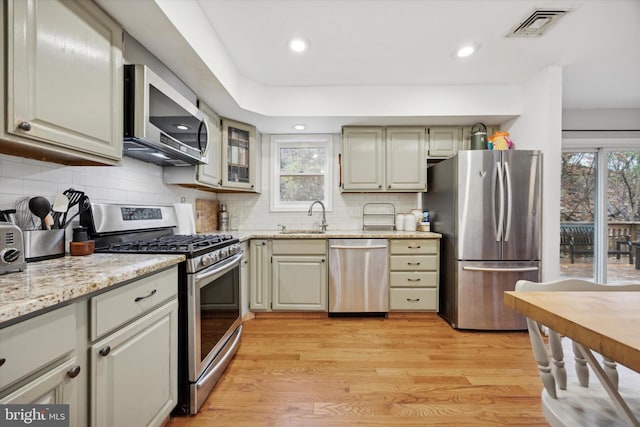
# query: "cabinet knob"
389,186
105,351
73,372
322,259
379,186
25,126
2,361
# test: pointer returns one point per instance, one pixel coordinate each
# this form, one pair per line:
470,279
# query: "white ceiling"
233,54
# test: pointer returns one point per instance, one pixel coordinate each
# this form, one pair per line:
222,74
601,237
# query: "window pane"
301,188
577,210
623,194
302,160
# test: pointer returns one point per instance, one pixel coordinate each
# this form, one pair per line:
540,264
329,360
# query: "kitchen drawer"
413,279
33,344
299,247
413,299
115,308
413,263
418,246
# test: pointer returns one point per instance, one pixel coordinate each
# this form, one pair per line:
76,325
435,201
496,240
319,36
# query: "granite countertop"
334,234
47,283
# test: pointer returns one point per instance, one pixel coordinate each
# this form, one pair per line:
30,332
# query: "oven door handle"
218,270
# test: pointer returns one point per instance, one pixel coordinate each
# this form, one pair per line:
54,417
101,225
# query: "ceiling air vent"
537,23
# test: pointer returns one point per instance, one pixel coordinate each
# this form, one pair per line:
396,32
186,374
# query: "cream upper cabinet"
363,159
406,159
210,173
238,156
444,141
64,82
203,177
383,159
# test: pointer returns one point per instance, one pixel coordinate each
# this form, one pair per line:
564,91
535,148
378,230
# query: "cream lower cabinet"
259,275
64,82
289,274
134,353
39,363
414,274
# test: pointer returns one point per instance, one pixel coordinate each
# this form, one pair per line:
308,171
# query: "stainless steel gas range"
209,322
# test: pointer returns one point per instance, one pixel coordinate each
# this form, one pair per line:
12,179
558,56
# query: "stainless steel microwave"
160,124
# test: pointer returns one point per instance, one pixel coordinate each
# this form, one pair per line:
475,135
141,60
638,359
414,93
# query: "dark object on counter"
11,249
80,234
40,207
478,137
82,248
74,197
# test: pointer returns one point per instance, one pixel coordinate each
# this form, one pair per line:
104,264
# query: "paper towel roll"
186,219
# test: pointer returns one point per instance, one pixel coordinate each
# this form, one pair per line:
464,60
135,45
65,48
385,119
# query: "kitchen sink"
293,231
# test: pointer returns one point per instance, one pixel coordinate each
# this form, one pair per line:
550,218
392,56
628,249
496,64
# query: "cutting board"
206,215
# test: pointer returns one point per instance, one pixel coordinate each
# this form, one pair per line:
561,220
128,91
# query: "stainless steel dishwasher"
358,276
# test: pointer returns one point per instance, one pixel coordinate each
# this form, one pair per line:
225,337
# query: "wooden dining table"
607,322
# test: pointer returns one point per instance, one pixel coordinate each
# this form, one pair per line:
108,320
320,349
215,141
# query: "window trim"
300,141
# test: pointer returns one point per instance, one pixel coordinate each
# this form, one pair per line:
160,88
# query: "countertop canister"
400,222
410,222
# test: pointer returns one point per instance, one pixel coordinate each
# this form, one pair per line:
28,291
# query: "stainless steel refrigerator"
487,206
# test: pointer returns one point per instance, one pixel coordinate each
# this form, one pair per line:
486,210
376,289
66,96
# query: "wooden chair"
568,398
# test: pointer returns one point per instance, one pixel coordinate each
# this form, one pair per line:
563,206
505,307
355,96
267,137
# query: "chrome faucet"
323,224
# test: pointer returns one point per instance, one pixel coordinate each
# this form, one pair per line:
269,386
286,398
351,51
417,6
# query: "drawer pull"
413,299
152,293
105,351
414,247
2,361
74,372
413,280
413,263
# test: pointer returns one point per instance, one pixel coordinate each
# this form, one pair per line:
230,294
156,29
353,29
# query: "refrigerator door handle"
507,178
498,270
501,208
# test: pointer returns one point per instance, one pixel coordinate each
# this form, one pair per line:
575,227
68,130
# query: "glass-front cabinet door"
238,155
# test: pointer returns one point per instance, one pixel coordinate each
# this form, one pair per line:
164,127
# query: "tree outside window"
301,171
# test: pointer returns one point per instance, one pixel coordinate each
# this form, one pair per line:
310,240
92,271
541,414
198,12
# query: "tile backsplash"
132,182
141,183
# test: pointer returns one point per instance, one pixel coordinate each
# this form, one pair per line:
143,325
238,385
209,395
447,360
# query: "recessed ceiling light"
181,126
298,44
299,127
467,50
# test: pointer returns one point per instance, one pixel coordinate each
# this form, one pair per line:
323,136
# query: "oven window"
219,309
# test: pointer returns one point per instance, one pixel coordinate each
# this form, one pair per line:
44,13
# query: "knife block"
43,244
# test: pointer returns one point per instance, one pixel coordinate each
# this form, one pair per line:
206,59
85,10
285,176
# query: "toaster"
11,248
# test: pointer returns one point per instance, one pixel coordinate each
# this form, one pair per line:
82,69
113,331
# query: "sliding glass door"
600,215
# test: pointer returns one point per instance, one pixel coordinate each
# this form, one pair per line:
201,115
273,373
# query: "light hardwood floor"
412,370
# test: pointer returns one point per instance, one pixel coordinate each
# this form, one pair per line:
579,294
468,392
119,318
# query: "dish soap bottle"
223,218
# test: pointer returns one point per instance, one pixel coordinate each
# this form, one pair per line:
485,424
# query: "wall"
601,119
540,128
133,182
253,209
